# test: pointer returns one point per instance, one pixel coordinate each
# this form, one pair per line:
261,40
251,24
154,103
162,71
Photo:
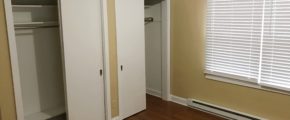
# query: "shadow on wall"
49,74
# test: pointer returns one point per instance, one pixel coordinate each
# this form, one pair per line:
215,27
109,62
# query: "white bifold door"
81,24
131,56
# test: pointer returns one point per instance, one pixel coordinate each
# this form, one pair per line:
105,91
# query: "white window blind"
234,38
249,40
275,70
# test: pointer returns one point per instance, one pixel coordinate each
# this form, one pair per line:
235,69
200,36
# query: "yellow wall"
7,105
188,81
113,58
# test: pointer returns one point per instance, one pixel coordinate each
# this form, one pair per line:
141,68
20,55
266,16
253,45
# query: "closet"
153,47
39,58
57,58
157,47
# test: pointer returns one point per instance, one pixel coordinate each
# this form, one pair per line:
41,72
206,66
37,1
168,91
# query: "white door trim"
14,60
106,50
166,49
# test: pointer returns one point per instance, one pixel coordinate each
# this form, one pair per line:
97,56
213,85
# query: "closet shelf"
32,6
36,24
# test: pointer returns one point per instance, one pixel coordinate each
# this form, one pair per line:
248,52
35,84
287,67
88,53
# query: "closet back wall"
7,103
153,47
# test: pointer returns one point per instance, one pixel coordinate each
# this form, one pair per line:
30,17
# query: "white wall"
40,69
153,50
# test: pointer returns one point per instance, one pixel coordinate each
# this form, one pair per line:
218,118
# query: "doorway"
157,47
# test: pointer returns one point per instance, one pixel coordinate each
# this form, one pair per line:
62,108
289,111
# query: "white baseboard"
178,100
116,118
221,111
186,102
153,92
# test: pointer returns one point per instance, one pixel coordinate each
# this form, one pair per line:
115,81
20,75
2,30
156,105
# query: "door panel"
131,56
82,49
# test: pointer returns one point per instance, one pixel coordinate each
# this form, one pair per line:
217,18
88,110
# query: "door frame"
14,60
15,66
166,50
106,52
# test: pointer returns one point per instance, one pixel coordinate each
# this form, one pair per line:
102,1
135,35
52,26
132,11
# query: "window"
249,41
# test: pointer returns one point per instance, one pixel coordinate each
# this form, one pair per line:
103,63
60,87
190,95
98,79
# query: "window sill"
245,84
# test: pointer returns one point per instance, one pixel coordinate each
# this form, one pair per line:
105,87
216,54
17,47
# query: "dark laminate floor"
158,109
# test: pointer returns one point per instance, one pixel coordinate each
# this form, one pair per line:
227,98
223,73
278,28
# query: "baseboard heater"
220,111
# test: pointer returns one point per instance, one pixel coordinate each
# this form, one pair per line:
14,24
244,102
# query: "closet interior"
37,38
153,46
